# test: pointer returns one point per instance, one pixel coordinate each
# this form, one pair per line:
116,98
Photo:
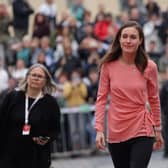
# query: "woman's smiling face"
130,40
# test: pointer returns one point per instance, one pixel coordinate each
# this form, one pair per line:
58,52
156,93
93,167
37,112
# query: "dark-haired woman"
129,77
41,26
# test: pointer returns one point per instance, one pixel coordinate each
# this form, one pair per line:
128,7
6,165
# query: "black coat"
21,13
164,110
164,98
20,151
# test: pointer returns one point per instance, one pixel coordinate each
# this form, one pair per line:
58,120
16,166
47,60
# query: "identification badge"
26,129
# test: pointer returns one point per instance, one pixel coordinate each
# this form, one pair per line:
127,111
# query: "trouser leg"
141,150
120,154
134,153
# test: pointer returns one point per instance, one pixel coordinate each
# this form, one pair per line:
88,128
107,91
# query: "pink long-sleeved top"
128,115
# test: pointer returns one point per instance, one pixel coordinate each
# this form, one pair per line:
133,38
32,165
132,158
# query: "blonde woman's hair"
50,86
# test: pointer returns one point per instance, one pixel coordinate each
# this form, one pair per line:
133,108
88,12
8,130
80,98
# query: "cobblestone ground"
103,161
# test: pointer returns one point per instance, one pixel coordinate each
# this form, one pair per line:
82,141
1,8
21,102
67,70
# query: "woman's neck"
32,93
127,59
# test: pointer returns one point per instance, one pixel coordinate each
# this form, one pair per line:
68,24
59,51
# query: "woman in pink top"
129,78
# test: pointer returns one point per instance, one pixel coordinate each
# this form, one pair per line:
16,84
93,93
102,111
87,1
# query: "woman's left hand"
40,141
158,141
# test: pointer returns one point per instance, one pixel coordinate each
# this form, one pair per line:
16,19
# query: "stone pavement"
103,161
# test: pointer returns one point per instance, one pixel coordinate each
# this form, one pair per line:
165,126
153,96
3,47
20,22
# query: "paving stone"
103,161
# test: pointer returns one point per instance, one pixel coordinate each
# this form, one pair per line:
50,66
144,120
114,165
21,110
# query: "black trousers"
134,153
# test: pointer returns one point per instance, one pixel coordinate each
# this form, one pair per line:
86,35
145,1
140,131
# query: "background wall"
111,5
92,5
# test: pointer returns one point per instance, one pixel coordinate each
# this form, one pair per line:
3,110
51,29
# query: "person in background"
62,79
48,50
41,26
24,52
4,77
136,15
130,80
68,62
152,7
123,18
75,94
164,110
102,28
35,49
101,10
153,53
41,59
5,33
75,91
12,84
151,31
92,87
29,121
49,9
77,10
21,12
20,70
163,61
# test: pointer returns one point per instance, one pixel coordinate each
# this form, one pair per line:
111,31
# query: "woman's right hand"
158,140
100,141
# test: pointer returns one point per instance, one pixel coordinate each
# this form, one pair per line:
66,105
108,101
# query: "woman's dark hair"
115,52
44,21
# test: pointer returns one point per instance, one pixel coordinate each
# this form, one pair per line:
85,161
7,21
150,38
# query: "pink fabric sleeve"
103,91
153,93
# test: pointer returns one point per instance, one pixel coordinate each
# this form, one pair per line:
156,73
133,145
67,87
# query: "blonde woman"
29,121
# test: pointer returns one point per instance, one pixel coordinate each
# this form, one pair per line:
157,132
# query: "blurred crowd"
71,46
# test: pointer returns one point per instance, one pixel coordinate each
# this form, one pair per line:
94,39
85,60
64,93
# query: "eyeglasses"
40,77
